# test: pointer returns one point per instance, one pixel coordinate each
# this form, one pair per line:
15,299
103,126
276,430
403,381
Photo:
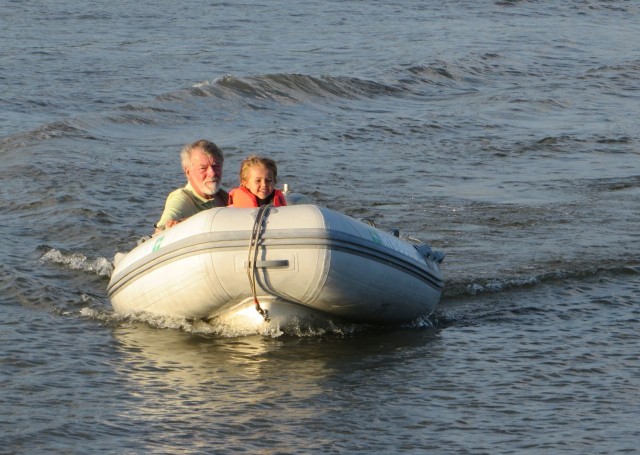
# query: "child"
258,175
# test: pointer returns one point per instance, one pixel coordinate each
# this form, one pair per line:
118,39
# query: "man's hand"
167,225
170,223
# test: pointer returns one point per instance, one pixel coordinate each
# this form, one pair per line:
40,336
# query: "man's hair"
207,147
255,160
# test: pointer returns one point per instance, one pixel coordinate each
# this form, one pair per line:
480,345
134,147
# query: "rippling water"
503,133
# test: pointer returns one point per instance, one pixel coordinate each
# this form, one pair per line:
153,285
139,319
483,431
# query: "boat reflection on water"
253,368
229,393
179,359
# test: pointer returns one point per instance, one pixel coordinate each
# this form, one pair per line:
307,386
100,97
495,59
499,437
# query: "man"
202,165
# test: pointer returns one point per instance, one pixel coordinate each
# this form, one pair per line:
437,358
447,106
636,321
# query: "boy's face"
259,181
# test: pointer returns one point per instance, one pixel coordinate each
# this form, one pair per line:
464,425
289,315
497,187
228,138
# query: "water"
503,133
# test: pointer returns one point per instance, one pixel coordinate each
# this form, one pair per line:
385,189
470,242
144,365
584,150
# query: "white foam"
77,261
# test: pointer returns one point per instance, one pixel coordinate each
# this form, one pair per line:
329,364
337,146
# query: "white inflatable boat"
299,264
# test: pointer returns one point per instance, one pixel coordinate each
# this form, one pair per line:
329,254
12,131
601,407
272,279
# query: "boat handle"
269,264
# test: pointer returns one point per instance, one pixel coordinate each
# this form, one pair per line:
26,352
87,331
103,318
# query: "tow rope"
253,256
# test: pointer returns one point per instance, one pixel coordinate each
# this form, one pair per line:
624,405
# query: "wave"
491,285
77,261
286,88
428,81
614,184
71,128
563,144
629,68
295,87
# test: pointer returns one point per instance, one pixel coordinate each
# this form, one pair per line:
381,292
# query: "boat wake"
533,276
77,261
223,330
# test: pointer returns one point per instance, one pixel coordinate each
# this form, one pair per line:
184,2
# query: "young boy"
258,175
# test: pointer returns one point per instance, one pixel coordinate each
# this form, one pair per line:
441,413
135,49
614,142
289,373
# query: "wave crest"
291,87
77,261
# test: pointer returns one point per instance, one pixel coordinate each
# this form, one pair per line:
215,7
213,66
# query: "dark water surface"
504,133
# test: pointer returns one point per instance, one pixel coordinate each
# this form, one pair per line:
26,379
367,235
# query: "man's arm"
177,207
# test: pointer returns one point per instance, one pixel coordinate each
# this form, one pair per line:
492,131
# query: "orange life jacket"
243,198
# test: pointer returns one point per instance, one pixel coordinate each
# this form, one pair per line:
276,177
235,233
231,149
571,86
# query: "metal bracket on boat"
264,313
274,263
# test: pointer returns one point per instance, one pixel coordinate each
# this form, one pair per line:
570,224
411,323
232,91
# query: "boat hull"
307,263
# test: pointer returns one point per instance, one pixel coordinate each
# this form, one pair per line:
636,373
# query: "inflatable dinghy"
298,264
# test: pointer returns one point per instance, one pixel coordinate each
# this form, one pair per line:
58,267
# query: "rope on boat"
253,256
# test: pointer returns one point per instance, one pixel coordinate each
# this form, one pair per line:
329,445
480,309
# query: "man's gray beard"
212,188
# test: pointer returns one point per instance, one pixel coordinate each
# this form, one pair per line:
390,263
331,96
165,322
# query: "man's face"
204,174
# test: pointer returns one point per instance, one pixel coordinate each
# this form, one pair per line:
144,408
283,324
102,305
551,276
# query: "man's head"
202,163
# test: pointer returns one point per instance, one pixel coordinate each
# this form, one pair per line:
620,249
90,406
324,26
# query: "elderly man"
202,165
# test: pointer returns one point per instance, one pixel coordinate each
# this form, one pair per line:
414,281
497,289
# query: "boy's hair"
256,160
